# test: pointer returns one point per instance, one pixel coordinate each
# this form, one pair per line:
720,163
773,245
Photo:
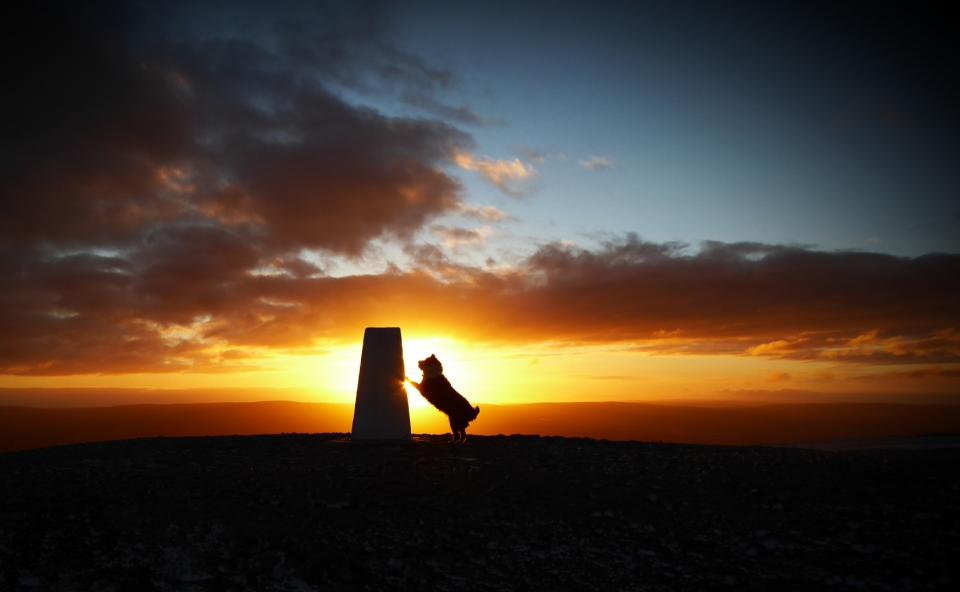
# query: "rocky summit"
319,512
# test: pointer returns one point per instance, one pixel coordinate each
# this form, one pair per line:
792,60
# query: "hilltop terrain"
317,512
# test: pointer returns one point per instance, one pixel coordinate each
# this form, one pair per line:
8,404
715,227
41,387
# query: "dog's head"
431,366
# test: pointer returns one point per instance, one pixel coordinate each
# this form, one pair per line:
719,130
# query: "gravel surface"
317,512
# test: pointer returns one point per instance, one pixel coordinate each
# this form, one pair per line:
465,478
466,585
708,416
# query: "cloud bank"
161,186
108,313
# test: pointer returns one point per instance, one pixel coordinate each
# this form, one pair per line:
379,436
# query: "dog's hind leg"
454,432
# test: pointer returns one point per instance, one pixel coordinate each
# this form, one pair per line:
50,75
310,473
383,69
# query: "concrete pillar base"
380,411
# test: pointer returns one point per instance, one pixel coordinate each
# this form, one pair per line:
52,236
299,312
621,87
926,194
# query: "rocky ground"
316,512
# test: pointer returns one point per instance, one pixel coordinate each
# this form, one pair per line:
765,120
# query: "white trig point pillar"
380,411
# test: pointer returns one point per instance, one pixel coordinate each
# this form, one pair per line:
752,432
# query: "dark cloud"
119,125
90,126
184,295
72,314
350,176
162,161
748,292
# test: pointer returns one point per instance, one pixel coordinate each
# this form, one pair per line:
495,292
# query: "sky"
579,202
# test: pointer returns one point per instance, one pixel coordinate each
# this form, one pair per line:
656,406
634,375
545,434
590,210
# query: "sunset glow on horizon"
529,374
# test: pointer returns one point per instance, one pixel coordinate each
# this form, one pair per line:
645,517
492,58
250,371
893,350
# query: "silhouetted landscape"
318,512
860,498
731,424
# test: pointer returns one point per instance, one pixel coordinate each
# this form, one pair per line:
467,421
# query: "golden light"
414,399
486,374
450,354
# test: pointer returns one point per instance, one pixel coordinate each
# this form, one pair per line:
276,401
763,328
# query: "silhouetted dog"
437,389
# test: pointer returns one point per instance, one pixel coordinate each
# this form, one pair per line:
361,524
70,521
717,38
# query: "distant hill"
27,427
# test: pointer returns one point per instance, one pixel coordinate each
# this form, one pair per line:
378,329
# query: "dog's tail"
476,412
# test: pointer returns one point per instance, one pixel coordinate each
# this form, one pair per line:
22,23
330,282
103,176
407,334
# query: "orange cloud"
870,347
485,213
507,175
102,313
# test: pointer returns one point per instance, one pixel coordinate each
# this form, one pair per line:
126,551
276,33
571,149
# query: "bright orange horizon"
502,374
